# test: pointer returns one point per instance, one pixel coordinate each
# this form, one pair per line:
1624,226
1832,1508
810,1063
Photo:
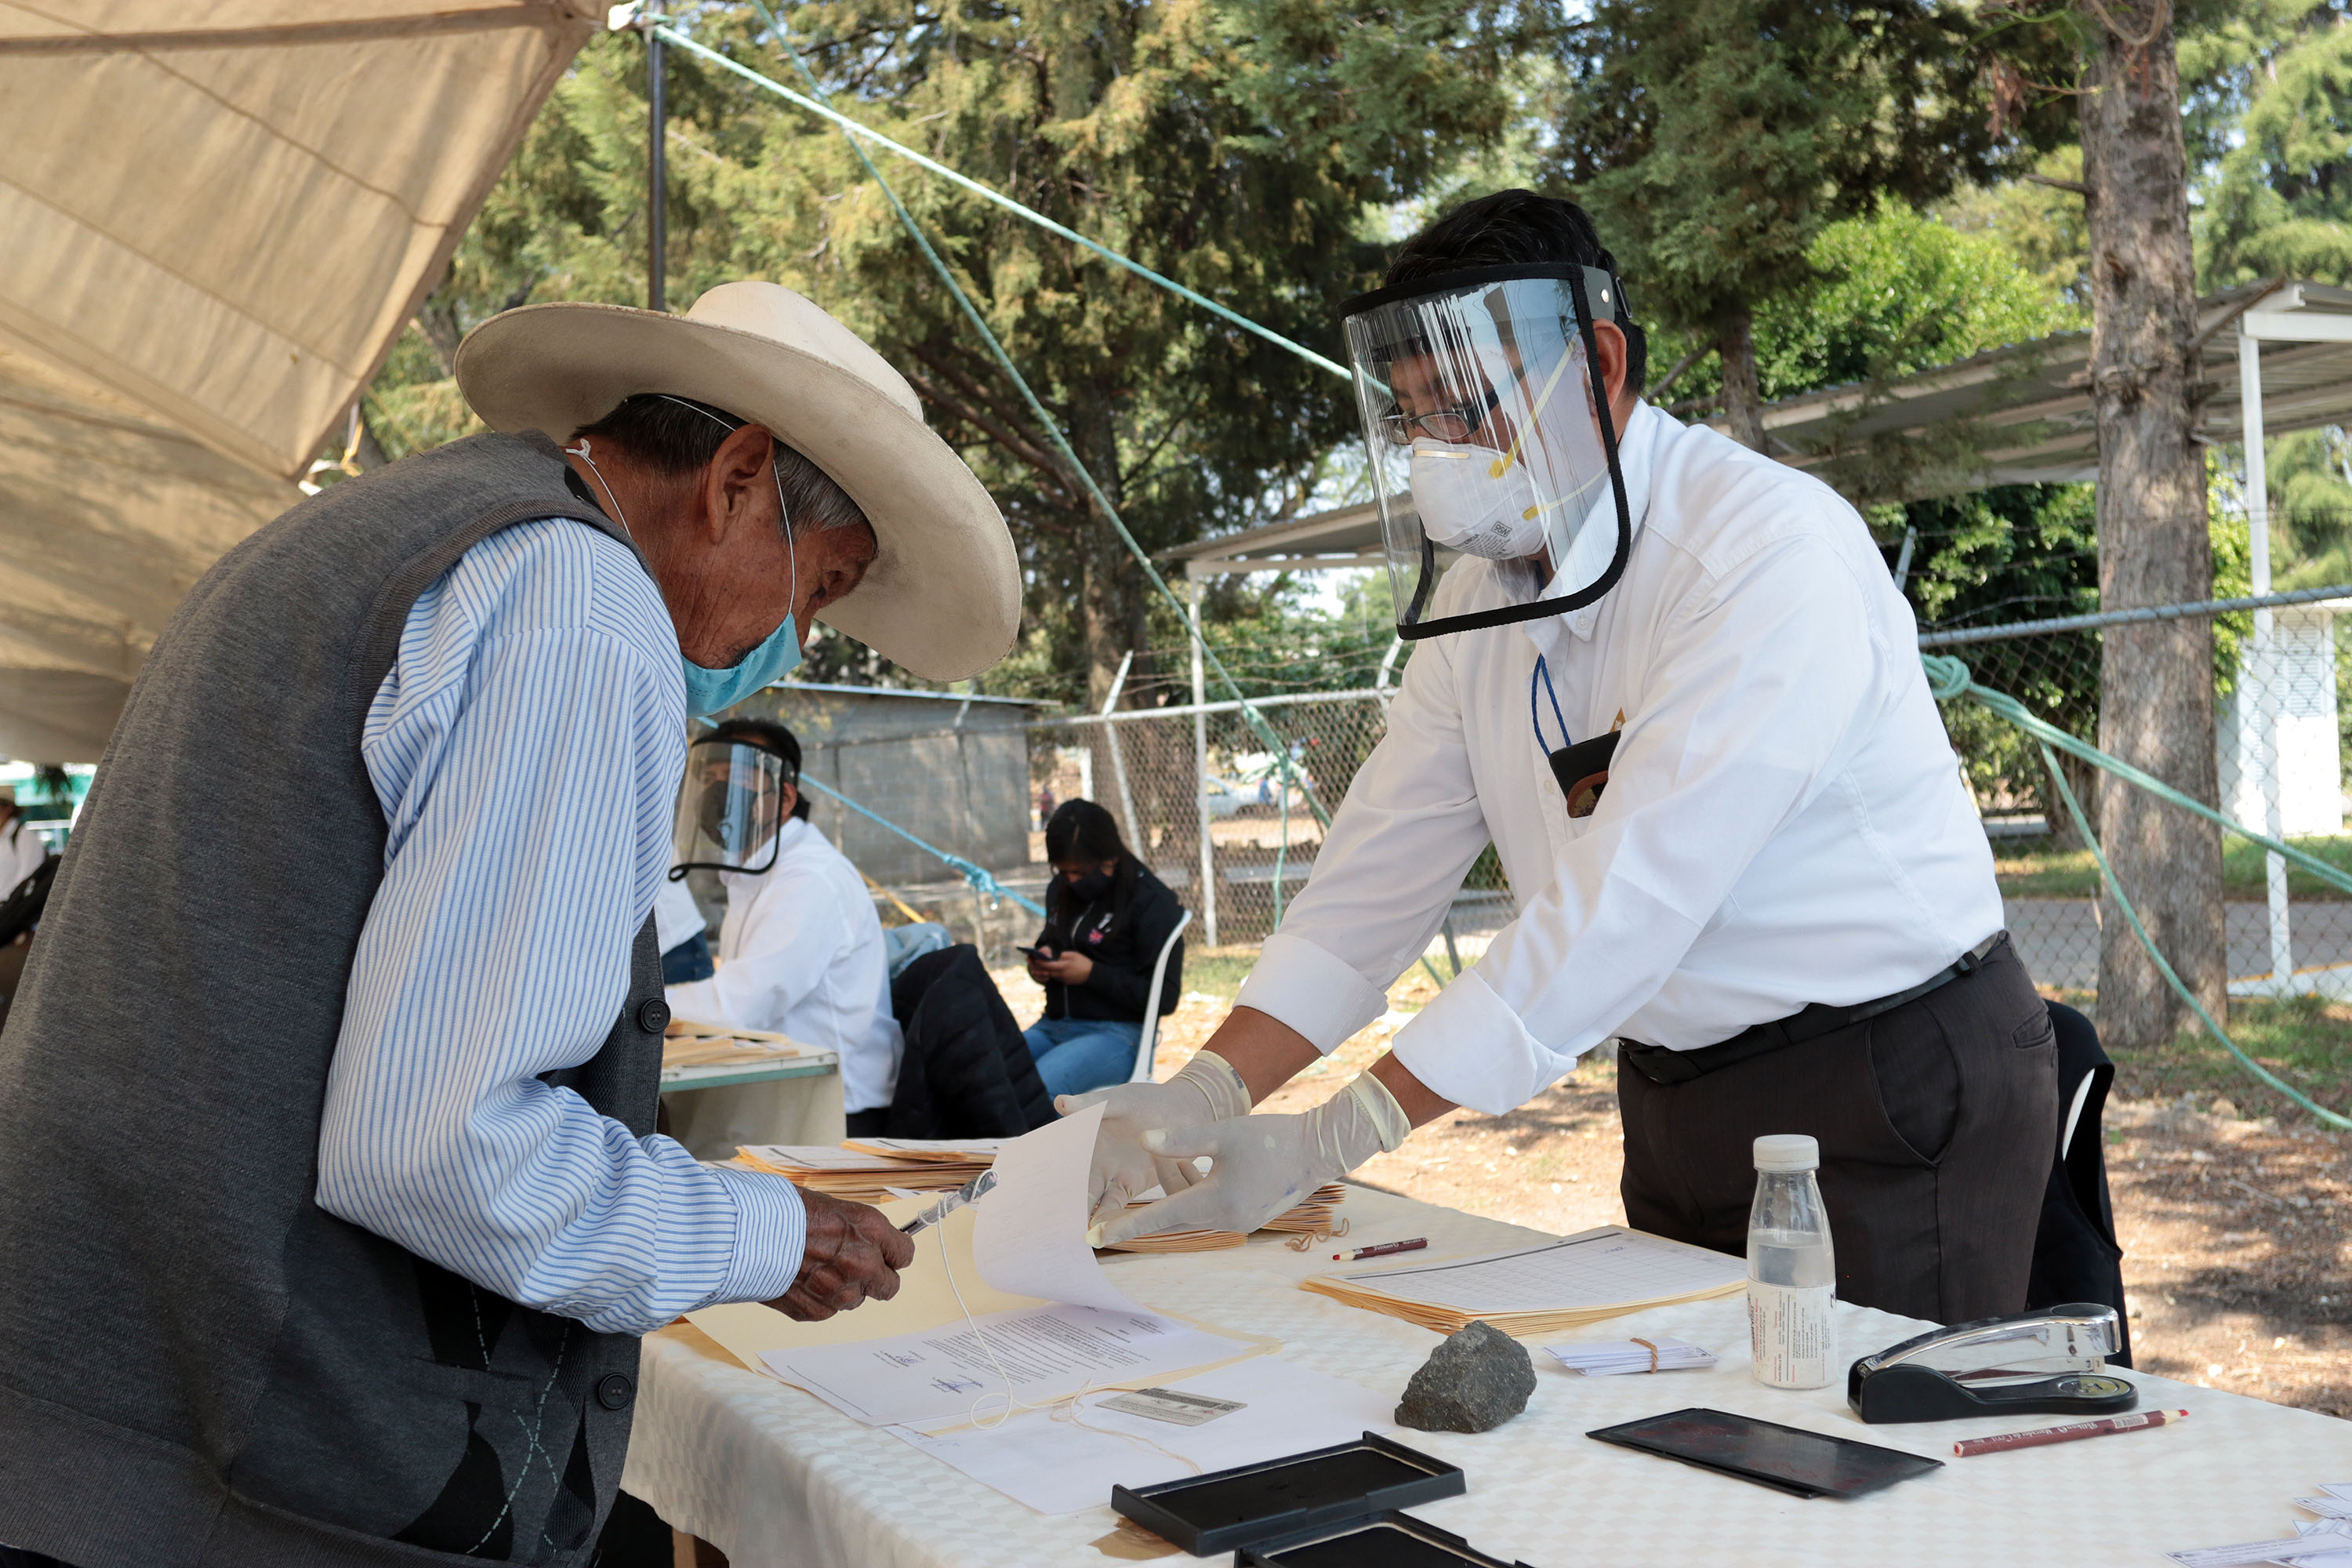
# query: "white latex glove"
1264,1164
1208,1090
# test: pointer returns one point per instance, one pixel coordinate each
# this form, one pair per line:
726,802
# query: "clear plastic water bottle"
1791,1270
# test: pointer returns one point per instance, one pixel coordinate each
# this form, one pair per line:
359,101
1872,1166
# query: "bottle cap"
1788,1151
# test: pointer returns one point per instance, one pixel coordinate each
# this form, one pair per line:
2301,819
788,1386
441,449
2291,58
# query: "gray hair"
677,437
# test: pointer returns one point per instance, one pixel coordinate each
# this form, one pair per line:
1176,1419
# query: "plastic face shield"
729,807
1488,428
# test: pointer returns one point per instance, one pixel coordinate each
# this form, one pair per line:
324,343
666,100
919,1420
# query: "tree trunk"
1743,404
2155,680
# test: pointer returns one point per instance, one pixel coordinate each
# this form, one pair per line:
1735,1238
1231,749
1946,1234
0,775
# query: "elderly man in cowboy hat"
331,1247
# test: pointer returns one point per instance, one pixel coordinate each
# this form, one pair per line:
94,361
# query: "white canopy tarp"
215,219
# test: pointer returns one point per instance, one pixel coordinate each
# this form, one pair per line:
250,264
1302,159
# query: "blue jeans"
1075,1055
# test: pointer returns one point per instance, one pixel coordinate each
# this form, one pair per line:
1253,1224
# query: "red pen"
1415,1244
2037,1437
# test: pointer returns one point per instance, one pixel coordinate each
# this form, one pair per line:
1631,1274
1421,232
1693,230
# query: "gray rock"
1475,1382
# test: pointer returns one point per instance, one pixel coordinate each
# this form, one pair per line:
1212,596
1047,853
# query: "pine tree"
1713,139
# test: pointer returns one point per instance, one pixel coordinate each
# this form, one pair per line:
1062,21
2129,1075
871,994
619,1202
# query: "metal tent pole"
657,174
1136,840
2261,665
1201,780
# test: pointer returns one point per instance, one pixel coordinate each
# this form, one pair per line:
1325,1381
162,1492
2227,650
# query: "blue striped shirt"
527,747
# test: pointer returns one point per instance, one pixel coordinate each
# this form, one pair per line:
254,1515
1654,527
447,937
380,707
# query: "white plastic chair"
1150,1035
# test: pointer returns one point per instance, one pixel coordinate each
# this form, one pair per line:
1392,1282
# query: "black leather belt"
1662,1066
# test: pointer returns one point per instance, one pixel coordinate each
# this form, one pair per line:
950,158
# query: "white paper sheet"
963,1372
1606,1266
2312,1540
1030,1236
1046,1461
1617,1358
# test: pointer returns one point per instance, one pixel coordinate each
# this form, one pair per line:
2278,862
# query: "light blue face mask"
708,690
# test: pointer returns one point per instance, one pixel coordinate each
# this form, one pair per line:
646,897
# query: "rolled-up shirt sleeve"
528,778
1754,694
1397,850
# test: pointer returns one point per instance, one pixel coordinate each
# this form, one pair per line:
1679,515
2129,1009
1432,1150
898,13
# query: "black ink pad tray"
1228,1508
1390,1539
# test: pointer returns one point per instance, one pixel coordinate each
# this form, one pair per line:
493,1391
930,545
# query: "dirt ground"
2235,1266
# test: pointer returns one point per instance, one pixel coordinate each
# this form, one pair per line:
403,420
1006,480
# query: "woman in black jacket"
1106,916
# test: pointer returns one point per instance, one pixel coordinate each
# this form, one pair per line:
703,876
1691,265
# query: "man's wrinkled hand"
852,1255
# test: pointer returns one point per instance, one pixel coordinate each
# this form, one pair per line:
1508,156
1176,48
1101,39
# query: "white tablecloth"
777,1479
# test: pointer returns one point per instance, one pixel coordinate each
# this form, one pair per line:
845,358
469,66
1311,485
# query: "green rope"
1948,678
2172,978
852,128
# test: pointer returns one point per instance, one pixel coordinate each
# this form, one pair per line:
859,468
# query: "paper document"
1598,1268
1030,1237
2326,1538
2326,1506
962,1371
1048,1461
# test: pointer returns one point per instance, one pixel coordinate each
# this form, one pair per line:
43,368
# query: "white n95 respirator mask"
1488,426
1473,502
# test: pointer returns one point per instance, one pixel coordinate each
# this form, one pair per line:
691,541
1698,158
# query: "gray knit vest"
199,1367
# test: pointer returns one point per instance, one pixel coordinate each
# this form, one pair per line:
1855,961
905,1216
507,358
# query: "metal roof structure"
2028,409
1347,536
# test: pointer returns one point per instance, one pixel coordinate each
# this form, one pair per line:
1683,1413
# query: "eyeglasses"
1451,424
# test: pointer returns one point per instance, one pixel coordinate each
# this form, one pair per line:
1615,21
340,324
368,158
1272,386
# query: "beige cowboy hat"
943,595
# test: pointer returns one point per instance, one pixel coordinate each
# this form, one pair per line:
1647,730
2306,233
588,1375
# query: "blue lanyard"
1535,717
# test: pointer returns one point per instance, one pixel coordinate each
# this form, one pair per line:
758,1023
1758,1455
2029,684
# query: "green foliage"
1714,139
2282,204
2043,226
1890,293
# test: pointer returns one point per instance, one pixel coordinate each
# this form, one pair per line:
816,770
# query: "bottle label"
1793,1333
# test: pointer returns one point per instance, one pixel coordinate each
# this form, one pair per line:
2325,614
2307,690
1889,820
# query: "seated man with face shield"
1671,681
800,950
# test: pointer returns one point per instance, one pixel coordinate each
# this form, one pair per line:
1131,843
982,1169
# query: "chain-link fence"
1233,824
2279,714
1229,821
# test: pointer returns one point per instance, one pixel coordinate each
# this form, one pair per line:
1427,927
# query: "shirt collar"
786,837
1587,555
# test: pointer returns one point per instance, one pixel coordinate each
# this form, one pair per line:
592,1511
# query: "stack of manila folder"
875,1169
1312,1217
687,1044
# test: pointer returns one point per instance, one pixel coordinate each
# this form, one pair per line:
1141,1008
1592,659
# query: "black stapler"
2053,1360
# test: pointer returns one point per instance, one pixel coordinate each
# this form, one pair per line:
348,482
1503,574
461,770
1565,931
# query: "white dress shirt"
1785,821
22,850
526,747
676,916
801,954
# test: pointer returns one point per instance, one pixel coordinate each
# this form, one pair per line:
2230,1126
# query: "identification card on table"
1167,1405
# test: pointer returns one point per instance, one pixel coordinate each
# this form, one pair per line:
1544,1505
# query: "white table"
716,1109
773,1477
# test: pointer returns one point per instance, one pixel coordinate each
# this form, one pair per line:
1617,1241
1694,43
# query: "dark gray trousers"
1937,1123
